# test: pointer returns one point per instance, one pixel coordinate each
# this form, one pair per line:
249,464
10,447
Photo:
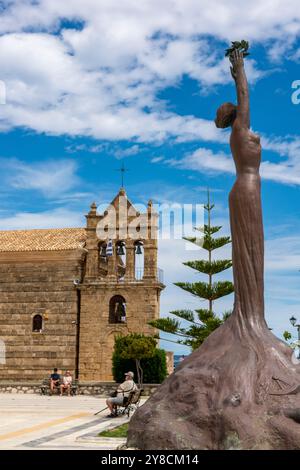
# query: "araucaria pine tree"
200,323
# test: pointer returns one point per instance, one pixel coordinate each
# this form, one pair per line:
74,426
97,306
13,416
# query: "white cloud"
157,159
57,218
271,18
51,178
283,254
127,152
205,160
102,79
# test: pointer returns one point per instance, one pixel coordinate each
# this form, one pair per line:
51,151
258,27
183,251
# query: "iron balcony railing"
139,274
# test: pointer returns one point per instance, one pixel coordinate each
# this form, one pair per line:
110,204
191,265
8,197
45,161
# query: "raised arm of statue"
239,75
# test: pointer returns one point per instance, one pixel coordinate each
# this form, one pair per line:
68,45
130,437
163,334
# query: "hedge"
154,368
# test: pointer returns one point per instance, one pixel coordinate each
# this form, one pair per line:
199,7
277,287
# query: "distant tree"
137,347
201,322
294,344
287,336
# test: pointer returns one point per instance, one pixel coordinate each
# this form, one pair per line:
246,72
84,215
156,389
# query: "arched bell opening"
121,258
102,250
139,259
117,309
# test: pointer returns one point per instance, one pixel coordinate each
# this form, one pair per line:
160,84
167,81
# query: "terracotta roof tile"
42,239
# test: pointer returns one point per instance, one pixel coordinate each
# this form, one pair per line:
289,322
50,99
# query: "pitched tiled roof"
42,239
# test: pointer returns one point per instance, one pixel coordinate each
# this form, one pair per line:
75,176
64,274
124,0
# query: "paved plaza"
43,422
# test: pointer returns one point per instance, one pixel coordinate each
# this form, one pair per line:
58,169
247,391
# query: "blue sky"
92,84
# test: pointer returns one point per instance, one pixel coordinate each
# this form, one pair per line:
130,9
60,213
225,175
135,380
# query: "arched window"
37,323
117,309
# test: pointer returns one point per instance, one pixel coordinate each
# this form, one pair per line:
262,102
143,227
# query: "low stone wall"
102,389
19,388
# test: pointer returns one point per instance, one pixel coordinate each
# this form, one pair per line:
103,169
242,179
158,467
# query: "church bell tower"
121,285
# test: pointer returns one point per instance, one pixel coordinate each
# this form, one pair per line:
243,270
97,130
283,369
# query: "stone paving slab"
39,422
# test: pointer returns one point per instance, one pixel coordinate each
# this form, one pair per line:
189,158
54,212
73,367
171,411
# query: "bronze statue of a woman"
240,388
245,203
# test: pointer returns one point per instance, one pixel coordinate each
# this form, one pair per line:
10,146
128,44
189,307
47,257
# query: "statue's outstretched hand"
237,61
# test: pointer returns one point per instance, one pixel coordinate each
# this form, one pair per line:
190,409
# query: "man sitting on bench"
66,383
122,392
54,381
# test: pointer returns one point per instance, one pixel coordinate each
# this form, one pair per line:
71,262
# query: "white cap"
130,374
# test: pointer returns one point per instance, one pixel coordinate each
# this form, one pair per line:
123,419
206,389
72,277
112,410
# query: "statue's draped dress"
247,230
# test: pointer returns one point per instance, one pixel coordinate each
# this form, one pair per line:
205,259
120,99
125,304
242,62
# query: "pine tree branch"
187,315
206,291
167,326
209,267
209,229
215,243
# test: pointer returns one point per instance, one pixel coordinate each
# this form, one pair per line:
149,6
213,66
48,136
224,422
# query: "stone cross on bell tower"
121,285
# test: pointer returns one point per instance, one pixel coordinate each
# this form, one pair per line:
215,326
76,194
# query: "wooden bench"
45,387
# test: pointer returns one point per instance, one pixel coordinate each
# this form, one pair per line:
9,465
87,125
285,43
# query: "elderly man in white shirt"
122,392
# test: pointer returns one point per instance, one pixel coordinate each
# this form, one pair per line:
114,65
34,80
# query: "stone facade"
61,278
31,284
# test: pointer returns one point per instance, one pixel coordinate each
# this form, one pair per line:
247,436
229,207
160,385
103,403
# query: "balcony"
139,274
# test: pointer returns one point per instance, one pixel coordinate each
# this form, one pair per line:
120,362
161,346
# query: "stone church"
66,293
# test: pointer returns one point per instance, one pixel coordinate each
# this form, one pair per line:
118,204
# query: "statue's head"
226,115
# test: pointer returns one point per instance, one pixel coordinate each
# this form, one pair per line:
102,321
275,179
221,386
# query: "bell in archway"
139,250
120,250
103,251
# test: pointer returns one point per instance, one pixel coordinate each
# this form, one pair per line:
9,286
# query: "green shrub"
155,368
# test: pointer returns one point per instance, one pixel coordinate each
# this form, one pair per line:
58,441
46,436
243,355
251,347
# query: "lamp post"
293,321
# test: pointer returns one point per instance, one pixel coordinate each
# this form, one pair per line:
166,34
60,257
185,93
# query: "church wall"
97,334
31,284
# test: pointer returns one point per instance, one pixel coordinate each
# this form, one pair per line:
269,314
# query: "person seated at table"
122,392
66,383
54,380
